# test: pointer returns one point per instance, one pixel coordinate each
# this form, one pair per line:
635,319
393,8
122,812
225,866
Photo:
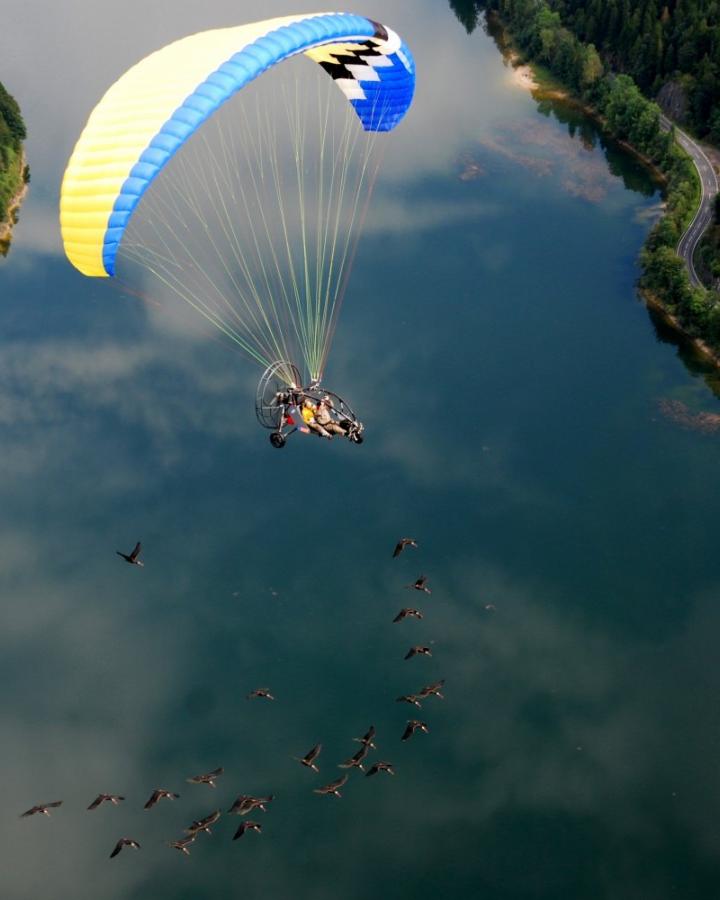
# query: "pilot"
308,414
324,418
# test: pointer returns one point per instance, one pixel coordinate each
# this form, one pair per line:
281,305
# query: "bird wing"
182,844
118,847
96,802
333,786
313,754
29,812
411,698
361,753
409,729
208,820
400,616
398,549
54,804
411,652
154,797
137,549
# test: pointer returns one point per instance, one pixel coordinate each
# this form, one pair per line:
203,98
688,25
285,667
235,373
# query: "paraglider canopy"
157,104
251,219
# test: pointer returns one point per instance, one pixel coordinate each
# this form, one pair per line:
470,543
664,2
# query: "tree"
591,68
10,113
467,12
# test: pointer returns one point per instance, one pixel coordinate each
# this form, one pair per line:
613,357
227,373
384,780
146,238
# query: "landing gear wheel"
277,439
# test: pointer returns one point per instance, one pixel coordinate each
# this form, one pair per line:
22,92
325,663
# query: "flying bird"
408,611
402,544
262,693
418,651
102,798
182,845
367,738
159,794
132,557
247,825
409,698
433,690
420,584
203,824
333,787
309,758
245,804
412,726
356,759
206,779
380,766
44,809
124,842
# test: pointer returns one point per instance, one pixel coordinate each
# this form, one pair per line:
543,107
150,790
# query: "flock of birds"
245,804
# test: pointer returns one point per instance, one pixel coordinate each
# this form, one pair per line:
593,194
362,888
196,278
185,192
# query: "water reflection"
694,360
510,386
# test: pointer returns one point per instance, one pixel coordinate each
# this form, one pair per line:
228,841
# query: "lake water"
515,394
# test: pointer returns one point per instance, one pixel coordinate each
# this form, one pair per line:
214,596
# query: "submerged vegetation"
14,173
545,32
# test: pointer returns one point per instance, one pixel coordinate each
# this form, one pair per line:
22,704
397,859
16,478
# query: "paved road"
709,188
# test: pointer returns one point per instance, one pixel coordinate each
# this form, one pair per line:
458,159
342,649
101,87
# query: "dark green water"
509,380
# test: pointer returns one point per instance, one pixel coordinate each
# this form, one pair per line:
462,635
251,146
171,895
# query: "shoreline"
653,302
525,76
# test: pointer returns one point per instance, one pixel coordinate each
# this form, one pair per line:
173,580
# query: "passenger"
324,418
308,414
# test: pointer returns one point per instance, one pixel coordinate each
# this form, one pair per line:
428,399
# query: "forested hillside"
657,42
12,134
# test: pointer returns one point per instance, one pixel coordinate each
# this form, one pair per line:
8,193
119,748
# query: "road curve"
708,190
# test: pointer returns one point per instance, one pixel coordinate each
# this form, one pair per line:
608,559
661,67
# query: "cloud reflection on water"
542,716
126,683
